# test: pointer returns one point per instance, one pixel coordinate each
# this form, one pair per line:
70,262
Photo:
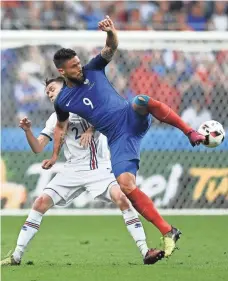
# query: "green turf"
100,249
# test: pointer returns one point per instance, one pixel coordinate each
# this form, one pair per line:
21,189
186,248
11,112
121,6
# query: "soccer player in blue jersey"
88,93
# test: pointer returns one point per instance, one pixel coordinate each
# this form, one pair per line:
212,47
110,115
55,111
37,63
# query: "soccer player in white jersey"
87,168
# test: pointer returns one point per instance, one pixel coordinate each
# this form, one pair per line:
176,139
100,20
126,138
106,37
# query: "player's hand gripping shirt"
84,158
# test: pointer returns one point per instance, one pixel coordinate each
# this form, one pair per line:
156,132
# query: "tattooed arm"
59,137
112,40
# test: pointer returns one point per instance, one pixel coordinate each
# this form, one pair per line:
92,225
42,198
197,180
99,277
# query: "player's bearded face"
72,70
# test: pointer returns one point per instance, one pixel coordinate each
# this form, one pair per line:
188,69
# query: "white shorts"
70,183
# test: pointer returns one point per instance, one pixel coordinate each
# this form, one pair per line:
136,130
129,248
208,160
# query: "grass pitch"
100,249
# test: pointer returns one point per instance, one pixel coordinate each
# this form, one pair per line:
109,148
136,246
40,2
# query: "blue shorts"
126,144
129,166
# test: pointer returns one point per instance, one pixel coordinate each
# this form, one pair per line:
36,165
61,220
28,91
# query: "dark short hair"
62,56
57,79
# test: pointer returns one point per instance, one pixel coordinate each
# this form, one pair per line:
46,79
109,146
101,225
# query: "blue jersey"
95,100
98,102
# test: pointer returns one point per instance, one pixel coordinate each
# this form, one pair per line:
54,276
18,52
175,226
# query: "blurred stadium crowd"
193,84
128,15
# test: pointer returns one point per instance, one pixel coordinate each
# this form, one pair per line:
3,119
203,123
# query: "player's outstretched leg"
29,229
144,105
134,226
145,206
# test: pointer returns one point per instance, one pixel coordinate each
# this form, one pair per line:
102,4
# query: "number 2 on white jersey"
87,101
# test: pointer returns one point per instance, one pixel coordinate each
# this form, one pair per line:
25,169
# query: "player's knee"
127,186
119,198
42,203
141,100
140,104
123,202
126,182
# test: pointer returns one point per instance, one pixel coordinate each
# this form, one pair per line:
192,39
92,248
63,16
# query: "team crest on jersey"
24,227
87,82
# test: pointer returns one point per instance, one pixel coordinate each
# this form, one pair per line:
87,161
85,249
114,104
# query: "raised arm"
111,41
59,137
37,144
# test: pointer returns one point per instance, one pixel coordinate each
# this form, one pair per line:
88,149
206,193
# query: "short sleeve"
61,115
97,63
48,131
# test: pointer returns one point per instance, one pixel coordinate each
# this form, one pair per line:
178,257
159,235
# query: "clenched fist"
25,124
106,25
48,163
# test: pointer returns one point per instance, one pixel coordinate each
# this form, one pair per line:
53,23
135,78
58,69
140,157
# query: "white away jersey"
86,158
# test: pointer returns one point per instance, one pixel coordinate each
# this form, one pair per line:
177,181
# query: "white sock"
136,229
29,229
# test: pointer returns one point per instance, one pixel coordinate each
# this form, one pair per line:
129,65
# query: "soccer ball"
214,133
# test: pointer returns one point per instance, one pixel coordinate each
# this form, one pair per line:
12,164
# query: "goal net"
186,70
